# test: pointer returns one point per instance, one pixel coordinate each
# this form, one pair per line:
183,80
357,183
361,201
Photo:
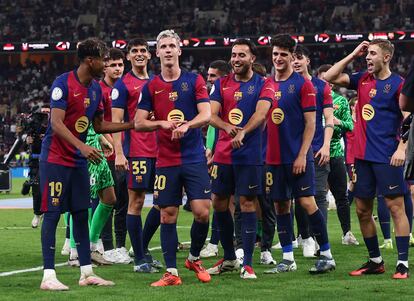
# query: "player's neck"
306,75
170,73
141,73
384,73
109,81
244,77
284,75
84,76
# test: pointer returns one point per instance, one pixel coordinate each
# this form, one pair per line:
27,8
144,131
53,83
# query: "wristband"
329,126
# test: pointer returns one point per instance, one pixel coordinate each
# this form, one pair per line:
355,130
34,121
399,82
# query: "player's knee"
135,207
220,205
282,207
168,217
247,206
364,214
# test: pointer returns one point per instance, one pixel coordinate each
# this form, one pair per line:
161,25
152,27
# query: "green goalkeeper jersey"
343,114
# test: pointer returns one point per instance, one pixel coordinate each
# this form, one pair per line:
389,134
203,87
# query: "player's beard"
243,71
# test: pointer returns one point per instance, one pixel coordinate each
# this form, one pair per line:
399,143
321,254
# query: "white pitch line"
39,268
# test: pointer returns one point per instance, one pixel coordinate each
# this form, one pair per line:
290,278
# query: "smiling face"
241,59
300,63
282,59
377,59
168,50
138,56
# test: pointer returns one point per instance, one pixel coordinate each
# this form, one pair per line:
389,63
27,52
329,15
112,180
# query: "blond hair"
169,33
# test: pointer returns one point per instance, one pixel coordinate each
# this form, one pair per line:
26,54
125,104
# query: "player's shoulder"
396,77
63,78
189,76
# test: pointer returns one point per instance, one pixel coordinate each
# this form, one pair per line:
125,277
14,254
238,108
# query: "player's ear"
149,55
157,53
387,57
179,51
127,56
253,58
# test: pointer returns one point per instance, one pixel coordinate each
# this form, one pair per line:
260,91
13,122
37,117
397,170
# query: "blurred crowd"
35,20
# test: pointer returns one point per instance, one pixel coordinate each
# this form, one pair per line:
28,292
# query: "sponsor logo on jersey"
81,125
235,116
175,115
278,116
368,112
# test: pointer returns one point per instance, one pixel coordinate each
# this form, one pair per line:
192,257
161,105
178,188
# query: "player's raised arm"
335,74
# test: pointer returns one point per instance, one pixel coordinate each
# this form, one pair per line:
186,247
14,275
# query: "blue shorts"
170,181
64,188
141,173
242,180
382,178
283,185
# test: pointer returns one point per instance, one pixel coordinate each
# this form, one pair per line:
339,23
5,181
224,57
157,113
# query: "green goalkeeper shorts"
100,177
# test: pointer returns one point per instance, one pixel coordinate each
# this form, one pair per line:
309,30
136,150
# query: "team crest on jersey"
278,95
250,90
291,89
81,125
55,202
368,112
235,116
155,195
175,115
387,88
173,96
138,179
278,116
184,87
238,95
87,102
372,92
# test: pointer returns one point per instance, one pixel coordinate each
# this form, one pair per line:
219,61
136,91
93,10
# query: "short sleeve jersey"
81,104
323,100
107,105
238,103
286,122
176,101
378,116
125,95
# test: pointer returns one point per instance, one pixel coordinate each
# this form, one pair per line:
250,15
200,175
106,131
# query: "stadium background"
38,42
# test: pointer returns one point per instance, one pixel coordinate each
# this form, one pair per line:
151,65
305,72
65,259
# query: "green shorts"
100,177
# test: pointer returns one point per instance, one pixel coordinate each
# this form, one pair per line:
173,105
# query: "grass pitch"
20,249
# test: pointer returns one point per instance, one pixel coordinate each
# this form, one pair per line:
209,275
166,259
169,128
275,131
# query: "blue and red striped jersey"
378,116
125,95
238,103
176,101
323,100
286,122
81,104
107,105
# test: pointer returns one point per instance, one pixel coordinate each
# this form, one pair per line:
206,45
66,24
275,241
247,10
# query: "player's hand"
107,149
232,130
398,158
151,116
360,50
168,125
299,166
324,154
336,121
180,131
237,141
209,156
91,153
121,163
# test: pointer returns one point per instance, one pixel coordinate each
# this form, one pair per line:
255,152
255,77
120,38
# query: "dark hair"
259,69
114,54
248,43
324,68
284,41
92,47
302,51
137,42
222,66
